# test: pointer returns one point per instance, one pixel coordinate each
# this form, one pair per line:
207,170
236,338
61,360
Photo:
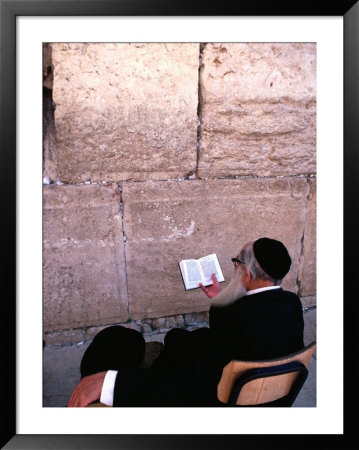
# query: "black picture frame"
9,10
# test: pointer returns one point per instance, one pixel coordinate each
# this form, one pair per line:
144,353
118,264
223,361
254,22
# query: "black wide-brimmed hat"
273,257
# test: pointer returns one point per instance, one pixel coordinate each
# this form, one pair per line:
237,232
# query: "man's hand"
213,290
88,390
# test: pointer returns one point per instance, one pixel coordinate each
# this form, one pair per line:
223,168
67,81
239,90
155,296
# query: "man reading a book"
252,318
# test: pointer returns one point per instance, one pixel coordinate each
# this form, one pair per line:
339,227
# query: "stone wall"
158,152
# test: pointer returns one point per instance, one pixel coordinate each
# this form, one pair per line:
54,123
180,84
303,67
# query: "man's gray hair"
247,256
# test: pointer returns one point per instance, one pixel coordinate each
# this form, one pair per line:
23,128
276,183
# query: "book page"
210,265
193,272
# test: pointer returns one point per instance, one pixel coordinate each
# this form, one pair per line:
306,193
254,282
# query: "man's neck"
267,288
258,283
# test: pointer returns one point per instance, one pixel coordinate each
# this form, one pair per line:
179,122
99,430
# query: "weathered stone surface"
91,332
65,337
83,257
193,318
260,72
129,112
258,110
308,277
165,222
310,301
125,111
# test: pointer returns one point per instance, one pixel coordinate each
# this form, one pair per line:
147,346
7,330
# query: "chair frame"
262,372
237,374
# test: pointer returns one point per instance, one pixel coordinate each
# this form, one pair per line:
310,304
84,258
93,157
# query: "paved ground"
61,369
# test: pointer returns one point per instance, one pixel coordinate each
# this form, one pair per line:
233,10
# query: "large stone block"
84,279
165,222
258,110
308,276
125,111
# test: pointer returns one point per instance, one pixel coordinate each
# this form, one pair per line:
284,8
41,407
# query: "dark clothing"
113,348
187,377
265,325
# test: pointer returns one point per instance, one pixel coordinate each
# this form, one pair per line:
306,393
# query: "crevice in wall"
298,280
199,106
49,106
188,177
124,240
302,243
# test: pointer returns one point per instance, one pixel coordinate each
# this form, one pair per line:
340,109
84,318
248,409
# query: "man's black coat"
264,325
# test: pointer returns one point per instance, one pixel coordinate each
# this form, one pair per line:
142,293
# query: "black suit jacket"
259,326
265,325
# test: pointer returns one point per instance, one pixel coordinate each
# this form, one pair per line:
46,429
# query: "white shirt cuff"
108,388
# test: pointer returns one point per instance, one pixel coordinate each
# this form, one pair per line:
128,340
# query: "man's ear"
247,278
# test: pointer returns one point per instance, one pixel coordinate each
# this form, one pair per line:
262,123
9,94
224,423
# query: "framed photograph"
25,26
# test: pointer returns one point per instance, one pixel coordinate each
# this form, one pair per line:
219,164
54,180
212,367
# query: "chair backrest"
266,386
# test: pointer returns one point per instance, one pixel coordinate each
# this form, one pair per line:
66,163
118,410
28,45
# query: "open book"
195,271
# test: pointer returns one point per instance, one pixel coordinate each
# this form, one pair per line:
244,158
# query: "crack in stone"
298,280
199,107
124,239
